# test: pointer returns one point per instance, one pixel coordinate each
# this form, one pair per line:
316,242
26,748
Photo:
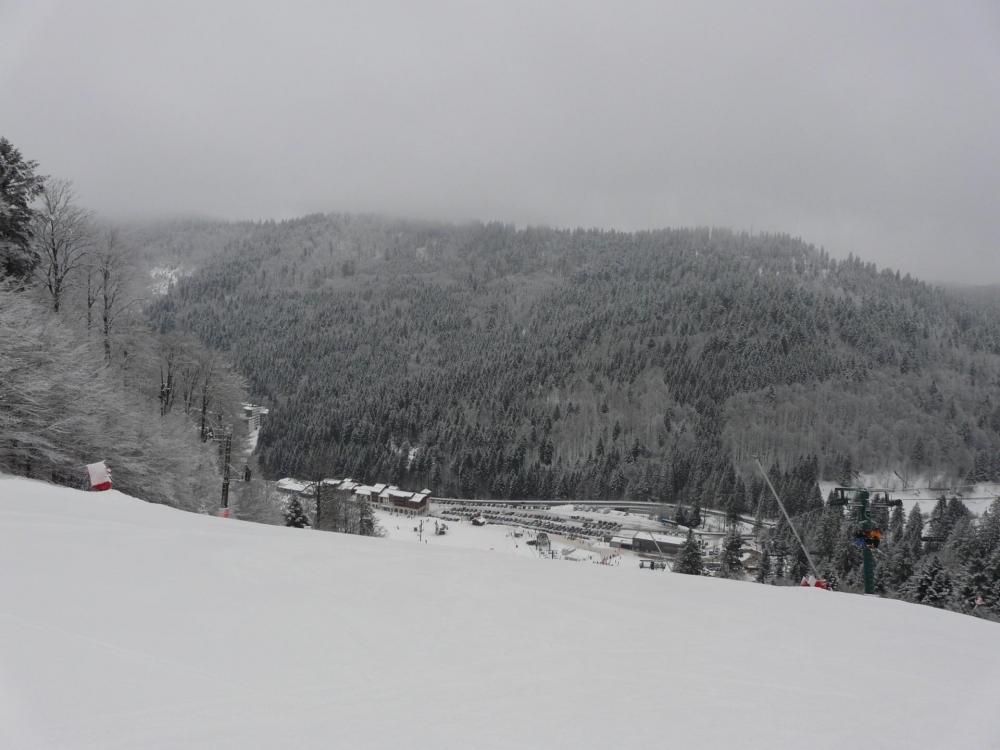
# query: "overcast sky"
864,127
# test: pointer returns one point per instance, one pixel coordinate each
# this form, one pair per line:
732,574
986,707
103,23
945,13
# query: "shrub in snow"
690,561
294,514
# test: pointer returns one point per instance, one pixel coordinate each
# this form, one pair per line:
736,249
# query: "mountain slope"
125,624
534,362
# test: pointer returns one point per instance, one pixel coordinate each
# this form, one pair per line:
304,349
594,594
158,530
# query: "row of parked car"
518,516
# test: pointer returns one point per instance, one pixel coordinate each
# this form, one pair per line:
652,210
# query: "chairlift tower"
866,534
225,443
225,467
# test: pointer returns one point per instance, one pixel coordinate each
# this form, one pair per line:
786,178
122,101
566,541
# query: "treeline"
83,377
482,360
946,559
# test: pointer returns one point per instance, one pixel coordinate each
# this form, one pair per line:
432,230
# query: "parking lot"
536,519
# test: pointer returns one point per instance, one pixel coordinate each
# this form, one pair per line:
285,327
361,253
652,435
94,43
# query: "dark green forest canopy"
491,361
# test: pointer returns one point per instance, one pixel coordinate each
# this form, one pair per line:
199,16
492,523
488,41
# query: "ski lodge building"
401,502
253,414
649,542
383,496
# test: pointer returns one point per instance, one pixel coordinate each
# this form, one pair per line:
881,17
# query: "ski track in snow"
128,625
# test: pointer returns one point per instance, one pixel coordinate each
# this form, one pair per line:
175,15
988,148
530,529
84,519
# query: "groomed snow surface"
128,625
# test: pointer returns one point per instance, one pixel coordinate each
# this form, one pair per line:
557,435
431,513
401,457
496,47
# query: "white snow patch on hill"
164,277
128,625
498,538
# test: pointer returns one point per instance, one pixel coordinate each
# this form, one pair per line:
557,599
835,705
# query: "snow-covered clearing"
164,277
497,538
128,625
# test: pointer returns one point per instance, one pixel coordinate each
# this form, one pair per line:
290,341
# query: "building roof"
392,492
289,484
660,538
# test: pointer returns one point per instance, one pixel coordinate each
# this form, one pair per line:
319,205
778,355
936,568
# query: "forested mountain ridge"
486,360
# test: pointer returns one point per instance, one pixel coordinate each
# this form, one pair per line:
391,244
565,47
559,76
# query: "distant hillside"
485,360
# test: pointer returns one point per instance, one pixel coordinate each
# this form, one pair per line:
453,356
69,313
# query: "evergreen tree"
694,516
993,573
846,476
19,186
546,450
800,564
827,532
764,569
897,523
913,533
937,526
898,565
779,557
974,582
758,520
931,584
848,555
731,563
367,523
961,544
294,514
690,560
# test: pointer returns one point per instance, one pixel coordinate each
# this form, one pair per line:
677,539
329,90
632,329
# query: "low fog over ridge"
863,129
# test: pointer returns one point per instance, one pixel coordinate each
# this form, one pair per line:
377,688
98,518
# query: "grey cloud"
863,127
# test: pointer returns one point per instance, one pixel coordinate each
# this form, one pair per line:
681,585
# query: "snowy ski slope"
128,625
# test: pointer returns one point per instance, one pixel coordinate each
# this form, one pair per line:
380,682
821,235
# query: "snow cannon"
814,582
99,476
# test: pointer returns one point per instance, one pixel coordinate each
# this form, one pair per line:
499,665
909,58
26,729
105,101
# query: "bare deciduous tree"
91,298
113,275
62,237
258,501
61,407
179,372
